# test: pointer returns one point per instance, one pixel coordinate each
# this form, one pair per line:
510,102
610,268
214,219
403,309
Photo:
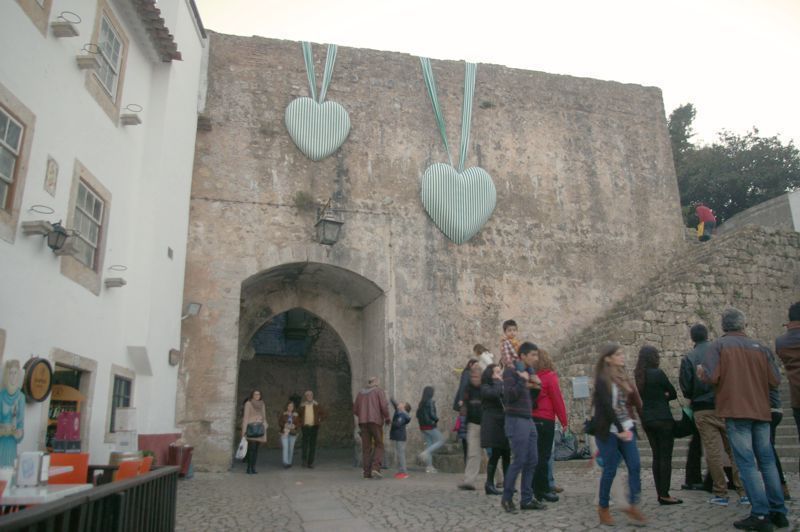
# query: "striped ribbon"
330,59
466,110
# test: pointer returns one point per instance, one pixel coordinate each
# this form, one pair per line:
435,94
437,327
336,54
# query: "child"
509,345
398,435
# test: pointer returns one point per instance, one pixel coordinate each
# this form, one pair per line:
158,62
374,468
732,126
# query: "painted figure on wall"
12,413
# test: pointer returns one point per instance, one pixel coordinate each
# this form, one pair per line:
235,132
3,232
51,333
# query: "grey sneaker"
719,501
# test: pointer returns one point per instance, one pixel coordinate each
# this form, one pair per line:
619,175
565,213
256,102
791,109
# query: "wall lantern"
329,225
57,236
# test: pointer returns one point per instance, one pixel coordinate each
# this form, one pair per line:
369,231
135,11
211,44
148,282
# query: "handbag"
590,426
254,430
241,451
685,425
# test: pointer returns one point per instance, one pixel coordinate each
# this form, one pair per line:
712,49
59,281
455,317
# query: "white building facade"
98,113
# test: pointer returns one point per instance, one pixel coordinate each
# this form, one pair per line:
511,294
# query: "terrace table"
16,496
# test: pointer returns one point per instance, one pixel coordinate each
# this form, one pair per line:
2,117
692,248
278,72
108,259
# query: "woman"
615,396
427,418
657,392
549,405
493,434
288,423
254,428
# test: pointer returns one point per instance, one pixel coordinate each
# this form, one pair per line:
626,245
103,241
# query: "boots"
605,516
635,515
489,486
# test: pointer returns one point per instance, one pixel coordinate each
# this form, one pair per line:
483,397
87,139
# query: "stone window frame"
39,13
110,103
9,213
87,366
89,277
125,373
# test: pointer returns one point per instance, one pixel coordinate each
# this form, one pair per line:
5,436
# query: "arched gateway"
349,305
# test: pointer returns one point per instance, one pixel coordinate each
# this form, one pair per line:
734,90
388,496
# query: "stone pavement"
334,497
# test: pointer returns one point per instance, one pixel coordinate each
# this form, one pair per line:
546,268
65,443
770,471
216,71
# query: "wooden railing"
141,504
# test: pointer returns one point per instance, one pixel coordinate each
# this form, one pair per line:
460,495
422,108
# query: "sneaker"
533,505
431,469
508,506
779,520
719,501
377,474
549,497
754,522
401,476
744,501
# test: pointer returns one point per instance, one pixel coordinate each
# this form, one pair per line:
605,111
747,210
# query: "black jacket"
426,414
698,392
472,404
493,432
604,415
657,394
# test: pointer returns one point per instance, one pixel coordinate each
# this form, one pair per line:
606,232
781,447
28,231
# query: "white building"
98,112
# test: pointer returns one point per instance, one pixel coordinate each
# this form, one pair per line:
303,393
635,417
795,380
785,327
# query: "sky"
737,61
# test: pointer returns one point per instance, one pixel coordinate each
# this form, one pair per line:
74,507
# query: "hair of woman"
545,361
648,358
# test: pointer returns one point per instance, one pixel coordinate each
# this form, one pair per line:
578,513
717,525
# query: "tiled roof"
157,30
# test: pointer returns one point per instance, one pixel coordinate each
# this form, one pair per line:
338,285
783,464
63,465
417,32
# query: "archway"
292,352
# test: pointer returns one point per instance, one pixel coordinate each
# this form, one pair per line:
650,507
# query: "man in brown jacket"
372,411
788,348
742,371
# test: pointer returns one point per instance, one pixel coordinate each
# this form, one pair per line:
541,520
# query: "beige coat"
254,415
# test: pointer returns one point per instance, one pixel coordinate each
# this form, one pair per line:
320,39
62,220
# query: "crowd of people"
508,409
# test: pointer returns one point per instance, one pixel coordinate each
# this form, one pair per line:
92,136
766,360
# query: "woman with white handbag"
254,428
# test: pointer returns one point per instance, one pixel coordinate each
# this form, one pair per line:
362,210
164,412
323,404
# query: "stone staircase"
754,269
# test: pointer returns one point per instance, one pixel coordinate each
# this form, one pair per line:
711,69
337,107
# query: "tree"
732,174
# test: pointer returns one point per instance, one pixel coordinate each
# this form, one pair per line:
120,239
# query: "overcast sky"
737,61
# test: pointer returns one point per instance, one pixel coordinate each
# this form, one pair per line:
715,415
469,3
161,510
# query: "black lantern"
328,226
57,236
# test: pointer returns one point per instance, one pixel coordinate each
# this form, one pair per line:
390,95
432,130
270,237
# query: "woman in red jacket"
549,406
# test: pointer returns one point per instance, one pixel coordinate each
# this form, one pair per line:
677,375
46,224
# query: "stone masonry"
587,211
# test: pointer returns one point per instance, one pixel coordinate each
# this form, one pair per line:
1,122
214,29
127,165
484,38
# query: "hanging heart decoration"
458,201
318,128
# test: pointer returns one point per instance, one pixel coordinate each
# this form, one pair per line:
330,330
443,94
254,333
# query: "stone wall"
756,270
587,209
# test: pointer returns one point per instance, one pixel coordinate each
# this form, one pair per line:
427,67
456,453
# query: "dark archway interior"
297,351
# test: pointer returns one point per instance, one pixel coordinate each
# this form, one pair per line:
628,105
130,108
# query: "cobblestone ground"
333,496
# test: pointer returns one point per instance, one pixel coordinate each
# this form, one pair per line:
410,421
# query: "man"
788,348
743,371
710,426
372,410
518,384
312,416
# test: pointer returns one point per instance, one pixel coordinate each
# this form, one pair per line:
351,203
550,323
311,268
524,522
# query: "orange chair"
128,469
147,462
80,468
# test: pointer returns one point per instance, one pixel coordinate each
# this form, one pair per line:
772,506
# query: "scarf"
620,377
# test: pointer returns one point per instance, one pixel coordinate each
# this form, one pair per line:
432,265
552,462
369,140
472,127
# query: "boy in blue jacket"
397,434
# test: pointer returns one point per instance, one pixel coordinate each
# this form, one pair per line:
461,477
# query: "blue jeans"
611,450
433,440
287,442
400,456
749,441
521,435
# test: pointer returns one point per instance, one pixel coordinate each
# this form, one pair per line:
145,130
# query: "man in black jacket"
518,384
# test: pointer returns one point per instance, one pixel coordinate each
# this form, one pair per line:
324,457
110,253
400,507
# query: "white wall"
146,168
794,205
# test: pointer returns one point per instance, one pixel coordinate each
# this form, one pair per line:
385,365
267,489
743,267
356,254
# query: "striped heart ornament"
318,129
459,204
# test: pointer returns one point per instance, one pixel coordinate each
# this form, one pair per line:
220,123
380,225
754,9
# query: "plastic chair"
146,463
80,468
128,469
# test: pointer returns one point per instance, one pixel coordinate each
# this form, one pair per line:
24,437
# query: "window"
120,397
106,83
110,57
88,223
10,143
